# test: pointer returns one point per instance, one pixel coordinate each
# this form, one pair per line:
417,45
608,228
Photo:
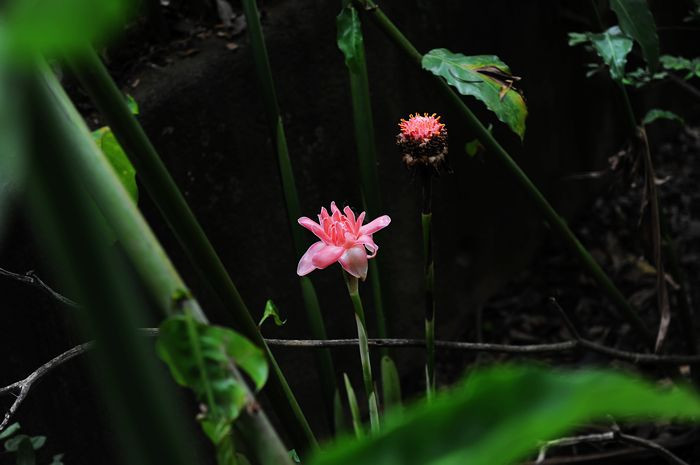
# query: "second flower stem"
426,222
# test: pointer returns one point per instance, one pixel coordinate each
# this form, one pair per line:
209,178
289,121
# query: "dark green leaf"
637,22
9,431
655,114
485,77
501,414
107,142
37,442
391,384
672,63
354,407
350,40
25,452
612,46
57,460
271,311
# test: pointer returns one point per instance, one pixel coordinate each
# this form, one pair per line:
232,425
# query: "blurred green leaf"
294,456
271,311
57,460
499,415
612,46
672,63
25,452
638,23
350,40
655,114
12,444
354,408
51,27
107,142
9,431
485,77
133,106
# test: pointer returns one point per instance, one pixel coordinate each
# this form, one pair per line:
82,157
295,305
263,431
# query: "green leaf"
25,452
200,357
637,22
485,77
107,142
271,311
350,40
294,456
37,442
57,460
354,407
672,63
612,46
655,114
133,106
391,384
51,27
501,414
9,431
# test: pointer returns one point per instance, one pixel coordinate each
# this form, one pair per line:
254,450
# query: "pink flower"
343,239
421,128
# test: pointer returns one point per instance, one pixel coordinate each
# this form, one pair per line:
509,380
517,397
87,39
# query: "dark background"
204,113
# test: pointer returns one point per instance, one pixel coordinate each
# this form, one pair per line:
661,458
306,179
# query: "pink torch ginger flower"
343,239
422,141
421,128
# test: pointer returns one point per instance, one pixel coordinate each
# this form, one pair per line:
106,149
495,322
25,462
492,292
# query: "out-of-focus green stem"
324,360
557,223
429,274
145,252
166,195
352,284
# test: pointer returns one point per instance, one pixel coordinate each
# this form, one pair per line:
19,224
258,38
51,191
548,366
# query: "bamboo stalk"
172,205
557,223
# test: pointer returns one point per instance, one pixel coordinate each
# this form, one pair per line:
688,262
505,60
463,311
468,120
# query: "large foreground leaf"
637,22
485,77
501,414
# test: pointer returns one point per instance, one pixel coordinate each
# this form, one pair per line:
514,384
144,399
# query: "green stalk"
352,284
366,153
166,195
147,257
142,401
324,360
429,272
557,223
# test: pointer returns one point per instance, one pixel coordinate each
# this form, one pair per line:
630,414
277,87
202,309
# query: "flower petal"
368,242
375,225
305,266
314,227
354,261
327,255
358,223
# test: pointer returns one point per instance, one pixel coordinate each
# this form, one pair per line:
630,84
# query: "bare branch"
652,446
572,441
33,280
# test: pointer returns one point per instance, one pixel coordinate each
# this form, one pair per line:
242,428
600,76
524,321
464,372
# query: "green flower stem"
314,316
87,167
557,223
166,195
429,271
352,284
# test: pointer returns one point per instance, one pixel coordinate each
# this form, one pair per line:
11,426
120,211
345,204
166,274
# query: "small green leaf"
25,452
485,77
354,407
391,384
501,414
9,431
131,103
612,46
57,460
107,142
294,456
350,40
655,114
37,442
672,63
638,23
271,311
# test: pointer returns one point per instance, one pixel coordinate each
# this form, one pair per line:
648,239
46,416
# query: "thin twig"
572,441
652,446
33,280
22,387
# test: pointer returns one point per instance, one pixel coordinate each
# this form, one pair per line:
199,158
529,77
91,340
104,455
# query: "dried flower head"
422,141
